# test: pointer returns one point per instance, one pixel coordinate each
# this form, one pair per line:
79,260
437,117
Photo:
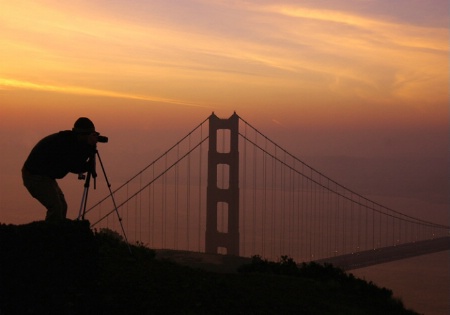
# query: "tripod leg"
114,202
84,198
83,204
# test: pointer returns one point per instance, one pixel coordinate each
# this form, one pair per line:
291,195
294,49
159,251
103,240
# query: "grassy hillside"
69,269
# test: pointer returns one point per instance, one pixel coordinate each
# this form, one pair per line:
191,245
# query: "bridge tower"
215,239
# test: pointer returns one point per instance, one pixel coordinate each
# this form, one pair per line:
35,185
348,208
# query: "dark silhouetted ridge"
70,269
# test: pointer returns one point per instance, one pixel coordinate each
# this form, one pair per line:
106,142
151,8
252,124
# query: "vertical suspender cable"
329,218
255,172
151,211
200,161
188,194
316,220
359,223
283,205
244,192
128,216
140,209
164,199
175,232
136,202
336,247
310,203
305,217
272,230
264,180
344,212
291,209
352,223
373,226
320,233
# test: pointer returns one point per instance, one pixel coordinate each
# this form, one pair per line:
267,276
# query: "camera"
102,139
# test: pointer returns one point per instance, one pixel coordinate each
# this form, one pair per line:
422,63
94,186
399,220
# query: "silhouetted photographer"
53,158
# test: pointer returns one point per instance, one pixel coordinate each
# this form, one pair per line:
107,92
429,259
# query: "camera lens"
102,139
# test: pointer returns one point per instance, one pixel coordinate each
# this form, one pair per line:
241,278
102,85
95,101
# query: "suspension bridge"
226,188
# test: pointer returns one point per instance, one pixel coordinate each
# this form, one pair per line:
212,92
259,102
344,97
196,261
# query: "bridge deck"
388,254
230,263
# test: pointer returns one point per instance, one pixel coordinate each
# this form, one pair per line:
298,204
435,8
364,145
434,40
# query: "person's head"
85,130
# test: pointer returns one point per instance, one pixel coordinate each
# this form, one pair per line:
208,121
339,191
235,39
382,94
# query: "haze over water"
422,283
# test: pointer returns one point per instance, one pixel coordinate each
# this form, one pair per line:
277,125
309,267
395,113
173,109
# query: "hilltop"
70,269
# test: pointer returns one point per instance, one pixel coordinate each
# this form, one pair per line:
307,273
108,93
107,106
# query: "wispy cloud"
191,50
400,33
6,84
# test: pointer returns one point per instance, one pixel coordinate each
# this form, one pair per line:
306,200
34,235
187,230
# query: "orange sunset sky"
331,81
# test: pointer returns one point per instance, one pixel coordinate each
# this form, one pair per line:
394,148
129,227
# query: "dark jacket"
58,154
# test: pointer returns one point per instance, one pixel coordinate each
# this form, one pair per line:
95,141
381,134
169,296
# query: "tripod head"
91,169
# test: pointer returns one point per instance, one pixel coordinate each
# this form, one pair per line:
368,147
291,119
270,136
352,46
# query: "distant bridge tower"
229,195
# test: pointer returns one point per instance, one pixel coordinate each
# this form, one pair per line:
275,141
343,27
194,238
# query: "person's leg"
48,193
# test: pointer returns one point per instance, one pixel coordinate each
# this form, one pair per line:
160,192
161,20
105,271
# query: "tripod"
93,174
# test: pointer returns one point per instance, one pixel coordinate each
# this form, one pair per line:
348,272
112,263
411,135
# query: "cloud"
192,50
6,84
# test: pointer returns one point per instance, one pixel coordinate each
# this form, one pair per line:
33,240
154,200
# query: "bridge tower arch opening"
223,161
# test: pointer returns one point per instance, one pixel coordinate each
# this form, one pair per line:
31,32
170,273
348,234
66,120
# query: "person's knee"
63,207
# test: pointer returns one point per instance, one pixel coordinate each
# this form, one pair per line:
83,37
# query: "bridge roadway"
387,254
230,263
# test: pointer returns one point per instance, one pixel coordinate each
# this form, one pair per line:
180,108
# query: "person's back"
58,154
